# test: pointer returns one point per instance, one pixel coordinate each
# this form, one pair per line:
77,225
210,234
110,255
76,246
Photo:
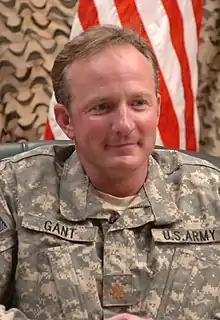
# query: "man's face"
114,109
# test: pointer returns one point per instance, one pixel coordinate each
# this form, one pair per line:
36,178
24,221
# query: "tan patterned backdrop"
31,34
209,78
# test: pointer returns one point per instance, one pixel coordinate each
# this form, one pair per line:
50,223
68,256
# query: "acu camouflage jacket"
63,257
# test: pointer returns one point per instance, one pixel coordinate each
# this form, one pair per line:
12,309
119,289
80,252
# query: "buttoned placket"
74,206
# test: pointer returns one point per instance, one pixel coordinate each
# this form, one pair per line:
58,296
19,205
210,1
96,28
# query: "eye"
139,103
102,107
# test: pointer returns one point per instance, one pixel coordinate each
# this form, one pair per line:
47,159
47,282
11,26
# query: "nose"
123,122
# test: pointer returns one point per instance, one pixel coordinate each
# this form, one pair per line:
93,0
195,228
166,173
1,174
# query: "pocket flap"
73,233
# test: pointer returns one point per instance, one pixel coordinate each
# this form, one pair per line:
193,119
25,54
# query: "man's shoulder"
37,157
172,160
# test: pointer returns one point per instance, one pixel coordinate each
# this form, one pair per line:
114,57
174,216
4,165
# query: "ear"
64,120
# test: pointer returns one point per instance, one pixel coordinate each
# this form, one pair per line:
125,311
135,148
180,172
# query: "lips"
122,145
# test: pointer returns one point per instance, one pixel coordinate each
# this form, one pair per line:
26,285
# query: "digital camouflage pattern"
78,259
33,34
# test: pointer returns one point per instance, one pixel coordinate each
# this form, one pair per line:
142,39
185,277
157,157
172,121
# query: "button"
114,217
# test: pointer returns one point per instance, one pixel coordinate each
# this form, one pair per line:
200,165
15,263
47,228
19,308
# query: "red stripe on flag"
88,14
48,134
198,13
177,38
168,123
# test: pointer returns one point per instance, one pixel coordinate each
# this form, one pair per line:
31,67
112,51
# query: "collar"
159,192
156,204
73,190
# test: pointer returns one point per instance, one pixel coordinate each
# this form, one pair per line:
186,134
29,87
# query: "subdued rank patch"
3,226
57,228
186,236
118,290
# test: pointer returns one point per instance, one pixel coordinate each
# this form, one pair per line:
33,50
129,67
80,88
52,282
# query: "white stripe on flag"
190,39
107,12
76,27
158,30
191,45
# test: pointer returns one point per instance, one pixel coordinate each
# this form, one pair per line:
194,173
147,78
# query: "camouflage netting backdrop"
32,32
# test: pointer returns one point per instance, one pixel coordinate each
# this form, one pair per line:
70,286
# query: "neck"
123,186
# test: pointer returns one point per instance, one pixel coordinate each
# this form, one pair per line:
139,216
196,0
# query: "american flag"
172,28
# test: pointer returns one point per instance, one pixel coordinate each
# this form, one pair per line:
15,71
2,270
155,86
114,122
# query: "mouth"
123,145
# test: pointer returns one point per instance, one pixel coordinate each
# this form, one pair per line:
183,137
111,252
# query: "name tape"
57,228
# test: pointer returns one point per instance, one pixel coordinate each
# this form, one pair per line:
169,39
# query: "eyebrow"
135,95
143,95
96,100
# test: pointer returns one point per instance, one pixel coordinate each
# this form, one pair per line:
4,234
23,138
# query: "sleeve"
8,245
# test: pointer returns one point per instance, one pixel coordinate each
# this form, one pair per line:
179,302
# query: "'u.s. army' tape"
207,235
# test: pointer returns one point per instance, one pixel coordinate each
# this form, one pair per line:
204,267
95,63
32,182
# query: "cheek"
148,123
90,130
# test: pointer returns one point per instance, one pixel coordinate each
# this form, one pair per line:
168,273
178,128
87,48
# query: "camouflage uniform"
72,259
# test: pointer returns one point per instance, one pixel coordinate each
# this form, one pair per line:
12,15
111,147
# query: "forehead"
111,64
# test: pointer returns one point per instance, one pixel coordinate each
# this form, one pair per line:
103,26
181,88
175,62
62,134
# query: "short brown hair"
92,41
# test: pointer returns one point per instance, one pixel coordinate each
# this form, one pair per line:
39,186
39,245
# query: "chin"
126,163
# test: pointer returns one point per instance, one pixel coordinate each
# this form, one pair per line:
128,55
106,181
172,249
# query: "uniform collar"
73,190
156,202
157,206
159,192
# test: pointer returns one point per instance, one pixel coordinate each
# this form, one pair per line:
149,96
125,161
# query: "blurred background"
32,32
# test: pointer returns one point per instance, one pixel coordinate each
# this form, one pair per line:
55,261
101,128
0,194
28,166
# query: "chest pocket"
65,266
192,288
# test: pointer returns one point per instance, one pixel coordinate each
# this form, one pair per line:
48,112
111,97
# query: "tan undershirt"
115,203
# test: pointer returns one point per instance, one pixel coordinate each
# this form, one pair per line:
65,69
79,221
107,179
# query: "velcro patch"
118,290
3,225
186,235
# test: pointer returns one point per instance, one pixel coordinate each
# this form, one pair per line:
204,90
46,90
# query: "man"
115,229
